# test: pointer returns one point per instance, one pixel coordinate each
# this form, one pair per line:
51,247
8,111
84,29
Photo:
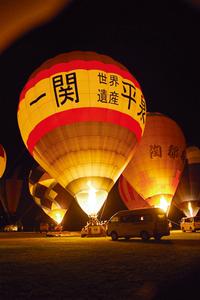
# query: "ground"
34,266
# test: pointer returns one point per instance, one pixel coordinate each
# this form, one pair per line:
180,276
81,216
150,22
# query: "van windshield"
197,219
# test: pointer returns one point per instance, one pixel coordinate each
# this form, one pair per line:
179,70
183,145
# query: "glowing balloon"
10,193
26,15
48,194
129,196
187,196
2,160
81,115
155,169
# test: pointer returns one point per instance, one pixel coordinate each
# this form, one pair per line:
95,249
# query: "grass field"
33,266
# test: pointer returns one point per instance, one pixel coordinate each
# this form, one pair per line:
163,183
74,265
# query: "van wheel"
144,236
127,238
157,237
183,229
114,236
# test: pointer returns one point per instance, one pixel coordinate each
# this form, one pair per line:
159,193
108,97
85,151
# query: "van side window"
136,218
143,218
130,219
148,218
114,219
126,219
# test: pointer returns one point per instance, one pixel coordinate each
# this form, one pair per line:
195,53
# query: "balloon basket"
57,232
53,234
94,228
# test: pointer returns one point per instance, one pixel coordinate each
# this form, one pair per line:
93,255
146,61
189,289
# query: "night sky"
158,41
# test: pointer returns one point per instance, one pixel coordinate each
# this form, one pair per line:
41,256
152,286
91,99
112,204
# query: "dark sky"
158,41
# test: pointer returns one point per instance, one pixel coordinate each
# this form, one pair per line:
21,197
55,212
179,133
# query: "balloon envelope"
129,196
81,114
155,169
3,160
10,194
48,194
187,196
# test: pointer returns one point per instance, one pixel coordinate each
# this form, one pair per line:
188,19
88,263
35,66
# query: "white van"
144,223
190,224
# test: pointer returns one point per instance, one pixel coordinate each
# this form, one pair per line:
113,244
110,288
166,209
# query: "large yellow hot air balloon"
48,194
154,172
3,160
187,196
81,115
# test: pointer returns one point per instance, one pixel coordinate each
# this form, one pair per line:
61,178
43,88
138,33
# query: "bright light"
190,209
91,200
57,215
164,205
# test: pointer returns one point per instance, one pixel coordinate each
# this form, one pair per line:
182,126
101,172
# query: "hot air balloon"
129,196
34,14
48,194
187,196
2,160
10,193
155,169
80,115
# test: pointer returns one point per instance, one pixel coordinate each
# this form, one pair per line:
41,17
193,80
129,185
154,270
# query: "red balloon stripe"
77,65
84,114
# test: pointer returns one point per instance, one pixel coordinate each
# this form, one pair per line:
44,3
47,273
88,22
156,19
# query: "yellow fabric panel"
2,164
67,159
81,184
